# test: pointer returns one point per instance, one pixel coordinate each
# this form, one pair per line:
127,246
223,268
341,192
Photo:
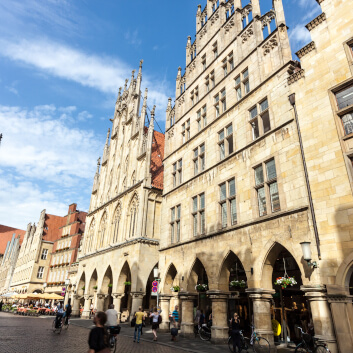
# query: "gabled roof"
53,223
157,155
6,235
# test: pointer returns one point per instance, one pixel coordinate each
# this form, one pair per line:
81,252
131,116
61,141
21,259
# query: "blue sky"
61,64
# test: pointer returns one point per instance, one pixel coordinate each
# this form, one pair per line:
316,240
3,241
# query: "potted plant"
201,287
127,283
110,285
175,289
83,288
286,281
95,287
237,283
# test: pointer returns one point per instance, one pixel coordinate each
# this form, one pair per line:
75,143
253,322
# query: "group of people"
62,313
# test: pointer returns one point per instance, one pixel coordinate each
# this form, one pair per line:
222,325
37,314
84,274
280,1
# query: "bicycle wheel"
321,349
261,345
302,348
204,335
53,326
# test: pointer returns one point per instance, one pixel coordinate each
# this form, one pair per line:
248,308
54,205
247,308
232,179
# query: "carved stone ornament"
192,66
171,133
316,21
307,49
229,25
203,31
181,101
266,20
214,18
296,76
247,34
268,46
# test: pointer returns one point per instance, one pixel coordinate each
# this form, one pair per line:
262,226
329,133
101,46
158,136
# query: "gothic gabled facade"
123,223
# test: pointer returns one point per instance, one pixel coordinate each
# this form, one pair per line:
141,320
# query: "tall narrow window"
228,203
44,254
260,119
198,214
223,100
199,159
204,65
174,174
215,51
212,79
198,120
177,173
225,141
345,101
224,67
175,224
216,105
204,115
231,61
40,272
266,184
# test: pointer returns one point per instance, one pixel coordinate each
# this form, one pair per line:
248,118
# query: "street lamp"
307,254
44,286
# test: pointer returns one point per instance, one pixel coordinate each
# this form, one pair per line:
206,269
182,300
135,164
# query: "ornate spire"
145,98
169,106
98,165
125,86
140,68
107,140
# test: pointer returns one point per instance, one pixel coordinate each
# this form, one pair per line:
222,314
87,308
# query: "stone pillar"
94,299
219,316
137,298
261,299
100,302
75,306
117,303
164,301
87,307
187,324
321,314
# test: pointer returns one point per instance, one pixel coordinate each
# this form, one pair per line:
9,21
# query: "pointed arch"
197,275
133,178
170,279
107,280
90,235
102,229
92,283
132,215
124,276
116,222
231,269
81,285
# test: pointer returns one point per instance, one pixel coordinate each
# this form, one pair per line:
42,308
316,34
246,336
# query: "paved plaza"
19,334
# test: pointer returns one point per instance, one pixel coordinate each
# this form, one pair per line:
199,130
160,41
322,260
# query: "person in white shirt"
112,316
59,314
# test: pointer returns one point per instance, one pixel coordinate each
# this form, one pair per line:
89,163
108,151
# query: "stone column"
94,299
100,302
261,299
75,306
321,314
164,300
87,307
187,324
219,316
137,298
117,304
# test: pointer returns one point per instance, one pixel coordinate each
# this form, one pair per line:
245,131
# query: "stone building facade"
8,262
65,250
250,175
121,242
32,264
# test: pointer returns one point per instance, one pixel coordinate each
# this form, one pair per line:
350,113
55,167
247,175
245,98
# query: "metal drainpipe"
292,102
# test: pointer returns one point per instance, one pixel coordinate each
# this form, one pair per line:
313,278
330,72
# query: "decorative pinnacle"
133,74
108,133
141,62
125,86
153,112
169,106
179,72
120,88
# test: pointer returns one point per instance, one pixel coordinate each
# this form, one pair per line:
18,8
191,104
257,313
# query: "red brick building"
65,249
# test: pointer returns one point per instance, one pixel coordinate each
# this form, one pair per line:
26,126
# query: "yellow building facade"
258,175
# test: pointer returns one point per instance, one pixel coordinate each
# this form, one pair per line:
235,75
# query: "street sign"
154,288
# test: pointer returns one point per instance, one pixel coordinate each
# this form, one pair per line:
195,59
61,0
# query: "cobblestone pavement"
20,334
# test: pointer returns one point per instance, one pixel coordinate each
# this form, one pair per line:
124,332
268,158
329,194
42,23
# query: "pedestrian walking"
175,315
156,319
235,333
98,339
140,317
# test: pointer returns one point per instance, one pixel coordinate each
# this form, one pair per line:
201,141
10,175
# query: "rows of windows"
61,259
57,276
344,100
266,188
242,88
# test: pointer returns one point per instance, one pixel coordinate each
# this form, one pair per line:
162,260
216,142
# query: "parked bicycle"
205,332
255,343
310,344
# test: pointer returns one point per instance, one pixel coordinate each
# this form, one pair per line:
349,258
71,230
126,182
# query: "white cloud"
45,162
299,35
133,37
103,73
